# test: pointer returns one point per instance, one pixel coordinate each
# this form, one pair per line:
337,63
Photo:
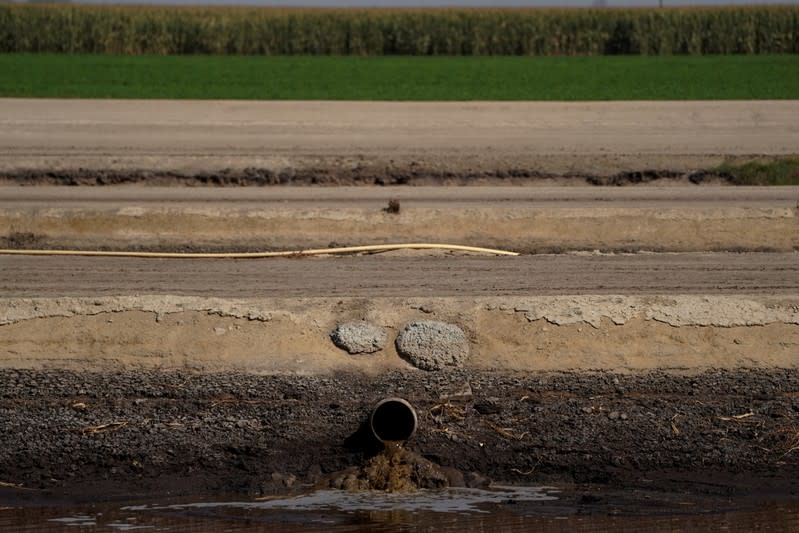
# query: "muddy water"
495,509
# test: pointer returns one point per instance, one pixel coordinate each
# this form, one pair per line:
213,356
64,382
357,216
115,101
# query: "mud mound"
394,470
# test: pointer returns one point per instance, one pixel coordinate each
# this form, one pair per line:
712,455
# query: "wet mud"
394,469
126,434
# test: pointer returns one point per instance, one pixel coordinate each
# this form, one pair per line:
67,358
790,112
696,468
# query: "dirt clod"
393,207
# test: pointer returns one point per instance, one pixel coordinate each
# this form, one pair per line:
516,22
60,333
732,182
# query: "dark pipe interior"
393,420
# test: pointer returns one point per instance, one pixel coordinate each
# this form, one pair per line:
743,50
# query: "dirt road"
412,275
227,198
394,138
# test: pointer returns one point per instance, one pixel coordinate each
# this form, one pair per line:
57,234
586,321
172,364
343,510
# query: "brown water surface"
497,509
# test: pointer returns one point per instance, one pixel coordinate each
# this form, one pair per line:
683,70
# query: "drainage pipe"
393,420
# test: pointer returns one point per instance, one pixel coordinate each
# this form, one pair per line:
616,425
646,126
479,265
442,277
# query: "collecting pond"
494,509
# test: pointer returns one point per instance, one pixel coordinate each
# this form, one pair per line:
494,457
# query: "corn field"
269,31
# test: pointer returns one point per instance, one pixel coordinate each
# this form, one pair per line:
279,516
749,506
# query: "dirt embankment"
292,335
97,435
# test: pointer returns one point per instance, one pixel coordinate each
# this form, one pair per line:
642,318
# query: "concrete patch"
432,345
359,337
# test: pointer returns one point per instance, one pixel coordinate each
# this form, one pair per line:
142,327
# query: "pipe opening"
393,419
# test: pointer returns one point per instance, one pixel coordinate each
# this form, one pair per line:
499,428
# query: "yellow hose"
257,255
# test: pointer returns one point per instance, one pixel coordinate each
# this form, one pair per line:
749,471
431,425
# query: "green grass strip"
782,171
401,77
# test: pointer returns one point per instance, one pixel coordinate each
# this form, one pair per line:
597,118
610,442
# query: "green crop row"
265,31
400,77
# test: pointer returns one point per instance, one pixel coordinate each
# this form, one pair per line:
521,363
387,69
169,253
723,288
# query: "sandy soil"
389,141
551,312
525,219
292,335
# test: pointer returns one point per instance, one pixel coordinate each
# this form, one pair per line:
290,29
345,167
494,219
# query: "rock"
462,393
314,473
348,480
286,480
431,345
487,408
454,476
475,480
359,337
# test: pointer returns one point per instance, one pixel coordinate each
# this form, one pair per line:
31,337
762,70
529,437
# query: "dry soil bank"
526,219
292,336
